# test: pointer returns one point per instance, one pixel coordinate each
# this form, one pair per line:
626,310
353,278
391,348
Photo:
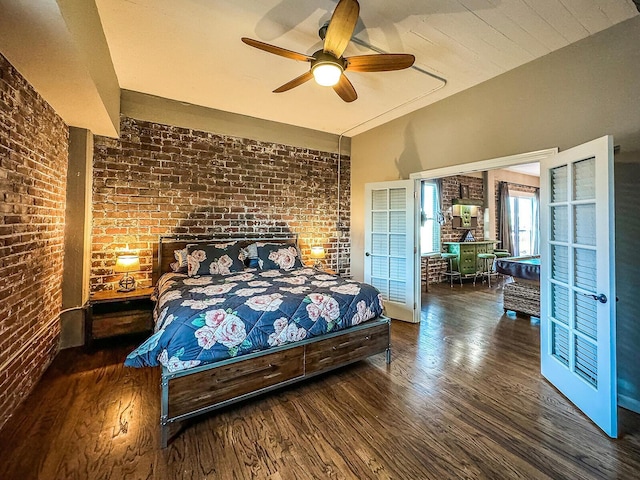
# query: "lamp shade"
127,263
317,251
327,74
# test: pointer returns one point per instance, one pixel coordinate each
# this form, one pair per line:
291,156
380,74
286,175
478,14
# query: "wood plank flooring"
463,398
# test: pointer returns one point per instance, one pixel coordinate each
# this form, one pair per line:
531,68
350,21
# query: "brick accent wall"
161,179
451,190
33,167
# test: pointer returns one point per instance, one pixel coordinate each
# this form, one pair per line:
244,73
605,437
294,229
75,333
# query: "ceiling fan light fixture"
326,74
328,64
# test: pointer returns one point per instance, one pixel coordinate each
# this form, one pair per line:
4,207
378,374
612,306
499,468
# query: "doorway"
577,241
437,215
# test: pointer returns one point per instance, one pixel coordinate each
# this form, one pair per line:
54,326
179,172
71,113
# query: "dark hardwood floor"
463,398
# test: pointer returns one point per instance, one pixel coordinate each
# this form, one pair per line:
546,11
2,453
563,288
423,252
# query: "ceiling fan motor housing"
327,69
328,65
321,57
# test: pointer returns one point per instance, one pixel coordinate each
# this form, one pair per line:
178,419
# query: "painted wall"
627,198
60,48
571,96
33,167
566,98
77,237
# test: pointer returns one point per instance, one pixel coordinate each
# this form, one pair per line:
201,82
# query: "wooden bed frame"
200,390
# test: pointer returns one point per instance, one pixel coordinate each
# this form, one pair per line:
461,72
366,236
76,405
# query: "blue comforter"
204,319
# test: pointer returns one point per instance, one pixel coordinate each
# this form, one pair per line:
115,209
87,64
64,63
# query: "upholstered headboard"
163,253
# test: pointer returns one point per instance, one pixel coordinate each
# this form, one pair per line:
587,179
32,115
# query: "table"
523,295
467,253
112,313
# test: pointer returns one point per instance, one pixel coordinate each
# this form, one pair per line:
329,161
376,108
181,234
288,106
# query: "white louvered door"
577,293
389,262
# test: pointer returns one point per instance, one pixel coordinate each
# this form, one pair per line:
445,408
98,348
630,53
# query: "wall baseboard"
72,329
629,403
30,344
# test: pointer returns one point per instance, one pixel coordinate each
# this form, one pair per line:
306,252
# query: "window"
523,211
430,214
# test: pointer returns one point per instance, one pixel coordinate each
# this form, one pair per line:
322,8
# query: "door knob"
367,254
602,298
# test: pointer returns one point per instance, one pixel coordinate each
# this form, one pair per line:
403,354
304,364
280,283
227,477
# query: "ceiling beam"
84,25
60,49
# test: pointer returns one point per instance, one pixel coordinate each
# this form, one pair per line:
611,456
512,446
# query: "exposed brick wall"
33,166
451,190
159,179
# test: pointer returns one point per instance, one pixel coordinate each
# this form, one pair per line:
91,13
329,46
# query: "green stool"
451,272
487,260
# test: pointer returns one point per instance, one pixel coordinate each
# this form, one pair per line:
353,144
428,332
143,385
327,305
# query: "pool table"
524,268
523,295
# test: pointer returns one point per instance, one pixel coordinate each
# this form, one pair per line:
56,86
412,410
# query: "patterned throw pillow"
251,259
252,251
216,259
273,256
180,265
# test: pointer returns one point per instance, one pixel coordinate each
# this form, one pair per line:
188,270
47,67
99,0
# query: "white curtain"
535,237
440,213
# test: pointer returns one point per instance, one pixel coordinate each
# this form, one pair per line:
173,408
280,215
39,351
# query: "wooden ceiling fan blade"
305,77
345,89
384,62
341,26
283,52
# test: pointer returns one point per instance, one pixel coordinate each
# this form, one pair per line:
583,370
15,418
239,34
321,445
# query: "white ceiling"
39,43
532,169
190,51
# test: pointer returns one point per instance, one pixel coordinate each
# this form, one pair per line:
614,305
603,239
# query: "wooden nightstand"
113,313
323,270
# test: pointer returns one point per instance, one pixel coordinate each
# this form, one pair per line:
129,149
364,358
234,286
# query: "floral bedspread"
204,319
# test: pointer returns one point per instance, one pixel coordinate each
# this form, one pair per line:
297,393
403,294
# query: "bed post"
156,272
388,351
164,410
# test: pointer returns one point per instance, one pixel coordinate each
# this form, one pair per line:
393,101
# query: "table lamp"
126,263
317,252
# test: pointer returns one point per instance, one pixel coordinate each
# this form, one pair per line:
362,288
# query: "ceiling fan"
328,65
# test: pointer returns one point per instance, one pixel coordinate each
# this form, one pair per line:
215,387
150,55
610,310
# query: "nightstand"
112,313
323,270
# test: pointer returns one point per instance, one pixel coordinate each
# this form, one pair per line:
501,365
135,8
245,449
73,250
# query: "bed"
238,322
523,295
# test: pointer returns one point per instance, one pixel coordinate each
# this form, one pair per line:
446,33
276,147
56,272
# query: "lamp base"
318,265
127,284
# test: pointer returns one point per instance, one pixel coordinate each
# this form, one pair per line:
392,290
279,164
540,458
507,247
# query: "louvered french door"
577,324
390,246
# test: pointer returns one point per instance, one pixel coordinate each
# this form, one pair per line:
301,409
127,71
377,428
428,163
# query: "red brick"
33,161
204,182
